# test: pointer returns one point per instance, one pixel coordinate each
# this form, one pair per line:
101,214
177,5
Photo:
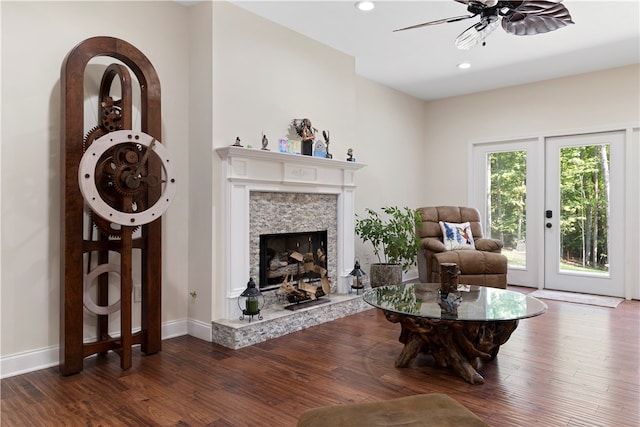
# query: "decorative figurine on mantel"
350,157
319,149
237,144
325,134
307,132
265,142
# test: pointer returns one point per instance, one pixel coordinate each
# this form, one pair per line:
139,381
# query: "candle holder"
357,278
251,301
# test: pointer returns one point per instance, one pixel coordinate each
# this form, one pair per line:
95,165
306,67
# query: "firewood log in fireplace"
310,266
305,291
288,270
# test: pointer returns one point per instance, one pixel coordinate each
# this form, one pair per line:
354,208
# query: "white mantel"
245,170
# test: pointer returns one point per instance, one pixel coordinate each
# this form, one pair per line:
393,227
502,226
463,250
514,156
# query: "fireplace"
296,257
265,192
291,222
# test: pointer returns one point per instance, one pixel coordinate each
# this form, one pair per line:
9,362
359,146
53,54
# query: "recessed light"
464,65
365,6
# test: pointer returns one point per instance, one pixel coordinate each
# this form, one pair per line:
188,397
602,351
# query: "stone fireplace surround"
251,180
286,212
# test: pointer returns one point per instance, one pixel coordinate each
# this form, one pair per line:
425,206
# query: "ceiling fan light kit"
475,34
520,18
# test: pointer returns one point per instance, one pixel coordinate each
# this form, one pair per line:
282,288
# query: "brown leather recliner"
484,266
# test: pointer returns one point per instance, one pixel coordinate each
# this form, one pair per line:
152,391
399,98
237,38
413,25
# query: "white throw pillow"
457,236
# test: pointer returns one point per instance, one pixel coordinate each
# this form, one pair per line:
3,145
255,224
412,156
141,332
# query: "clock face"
117,182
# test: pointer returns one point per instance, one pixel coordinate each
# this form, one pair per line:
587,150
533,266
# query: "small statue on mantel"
265,142
350,157
325,134
237,144
308,134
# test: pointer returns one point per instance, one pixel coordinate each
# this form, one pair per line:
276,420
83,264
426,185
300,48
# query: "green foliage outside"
584,201
508,198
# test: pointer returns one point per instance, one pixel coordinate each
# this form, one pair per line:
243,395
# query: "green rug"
577,298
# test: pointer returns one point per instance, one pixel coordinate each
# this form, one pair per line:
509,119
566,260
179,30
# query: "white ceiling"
422,62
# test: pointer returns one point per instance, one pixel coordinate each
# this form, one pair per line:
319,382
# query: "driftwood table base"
452,343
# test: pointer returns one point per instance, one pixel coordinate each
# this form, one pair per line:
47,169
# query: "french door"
557,205
584,221
509,194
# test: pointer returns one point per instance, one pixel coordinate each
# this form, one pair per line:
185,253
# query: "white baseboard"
21,363
199,329
34,360
176,328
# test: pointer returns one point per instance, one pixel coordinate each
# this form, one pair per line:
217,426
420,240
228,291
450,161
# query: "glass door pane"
584,213
506,215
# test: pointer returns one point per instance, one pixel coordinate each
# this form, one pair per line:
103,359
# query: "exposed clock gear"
110,114
91,136
121,167
111,119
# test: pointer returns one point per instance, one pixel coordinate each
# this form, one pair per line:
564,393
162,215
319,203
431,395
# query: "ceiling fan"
520,18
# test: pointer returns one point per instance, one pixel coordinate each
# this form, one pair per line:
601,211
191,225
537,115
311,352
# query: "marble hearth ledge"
278,321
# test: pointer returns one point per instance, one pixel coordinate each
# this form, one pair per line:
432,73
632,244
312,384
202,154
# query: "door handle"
548,225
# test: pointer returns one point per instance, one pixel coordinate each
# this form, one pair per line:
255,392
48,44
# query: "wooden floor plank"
576,365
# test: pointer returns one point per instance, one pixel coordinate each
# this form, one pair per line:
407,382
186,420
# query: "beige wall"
599,101
227,73
36,36
585,102
224,73
201,174
390,129
265,75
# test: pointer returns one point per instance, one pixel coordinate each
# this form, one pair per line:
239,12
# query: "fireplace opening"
293,257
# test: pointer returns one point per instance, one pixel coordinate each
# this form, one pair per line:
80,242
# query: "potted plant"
394,241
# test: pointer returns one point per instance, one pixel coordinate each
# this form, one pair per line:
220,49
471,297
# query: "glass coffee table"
457,330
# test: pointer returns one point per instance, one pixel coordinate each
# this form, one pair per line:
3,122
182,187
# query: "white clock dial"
113,175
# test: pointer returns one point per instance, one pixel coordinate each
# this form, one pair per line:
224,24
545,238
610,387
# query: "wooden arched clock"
116,184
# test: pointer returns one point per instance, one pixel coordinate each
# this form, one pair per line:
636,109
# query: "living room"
227,73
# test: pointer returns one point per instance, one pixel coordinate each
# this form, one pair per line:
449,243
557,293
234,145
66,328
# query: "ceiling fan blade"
536,17
439,21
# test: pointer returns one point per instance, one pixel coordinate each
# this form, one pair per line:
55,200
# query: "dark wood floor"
576,365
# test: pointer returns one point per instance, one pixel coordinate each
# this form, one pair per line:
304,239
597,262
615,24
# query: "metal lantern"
251,301
357,277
